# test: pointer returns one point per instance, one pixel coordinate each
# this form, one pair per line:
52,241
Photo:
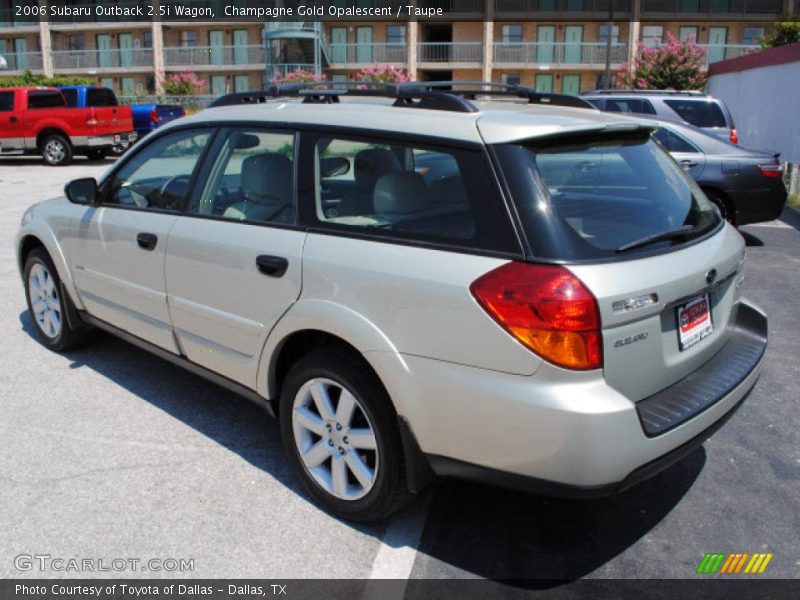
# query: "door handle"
274,266
688,164
12,119
147,241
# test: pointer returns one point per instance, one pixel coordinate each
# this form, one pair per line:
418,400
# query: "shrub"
785,31
183,84
30,79
677,65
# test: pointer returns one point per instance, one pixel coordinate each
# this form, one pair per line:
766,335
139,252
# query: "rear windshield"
601,197
100,97
700,113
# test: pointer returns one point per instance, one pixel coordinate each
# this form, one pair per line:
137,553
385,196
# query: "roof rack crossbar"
451,96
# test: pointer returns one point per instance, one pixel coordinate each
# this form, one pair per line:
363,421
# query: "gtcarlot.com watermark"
60,564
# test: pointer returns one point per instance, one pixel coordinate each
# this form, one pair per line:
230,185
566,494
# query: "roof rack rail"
329,92
647,92
452,96
490,88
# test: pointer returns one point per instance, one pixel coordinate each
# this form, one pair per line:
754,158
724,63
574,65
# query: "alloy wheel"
45,303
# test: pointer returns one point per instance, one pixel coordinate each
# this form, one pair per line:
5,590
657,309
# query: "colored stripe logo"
734,563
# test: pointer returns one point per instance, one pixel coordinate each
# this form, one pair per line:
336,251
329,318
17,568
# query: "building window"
396,34
752,35
512,34
688,32
77,42
602,34
147,39
652,35
510,78
188,38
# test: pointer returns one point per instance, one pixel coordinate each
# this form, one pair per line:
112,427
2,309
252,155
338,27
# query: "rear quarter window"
100,97
700,113
630,105
71,96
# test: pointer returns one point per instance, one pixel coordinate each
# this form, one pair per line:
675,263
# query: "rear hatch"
642,237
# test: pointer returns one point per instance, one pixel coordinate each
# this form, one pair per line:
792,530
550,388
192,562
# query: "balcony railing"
347,54
450,52
102,59
550,53
9,18
562,6
714,7
454,6
19,61
718,52
214,55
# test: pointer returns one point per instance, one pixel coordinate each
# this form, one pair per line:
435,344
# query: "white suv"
417,281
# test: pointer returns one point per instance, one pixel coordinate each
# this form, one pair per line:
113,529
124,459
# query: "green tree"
785,31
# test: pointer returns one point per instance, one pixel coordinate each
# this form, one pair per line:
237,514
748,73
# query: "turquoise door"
241,83
544,83
688,32
571,84
545,43
21,52
125,49
573,39
240,56
216,42
128,88
364,44
218,87
338,44
103,44
717,38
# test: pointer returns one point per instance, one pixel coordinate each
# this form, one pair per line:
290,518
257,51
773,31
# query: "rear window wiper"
658,237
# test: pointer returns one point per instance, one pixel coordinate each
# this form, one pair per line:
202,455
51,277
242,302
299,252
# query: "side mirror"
334,166
82,191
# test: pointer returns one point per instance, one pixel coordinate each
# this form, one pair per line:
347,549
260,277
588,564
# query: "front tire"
340,431
48,306
56,150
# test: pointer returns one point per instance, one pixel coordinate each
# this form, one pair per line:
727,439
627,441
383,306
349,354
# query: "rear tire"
96,154
56,150
723,204
48,304
340,432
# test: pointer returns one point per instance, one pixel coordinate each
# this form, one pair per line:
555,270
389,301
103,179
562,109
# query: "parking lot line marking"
398,549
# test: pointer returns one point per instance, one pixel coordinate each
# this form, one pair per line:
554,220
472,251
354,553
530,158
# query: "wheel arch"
51,129
44,238
713,191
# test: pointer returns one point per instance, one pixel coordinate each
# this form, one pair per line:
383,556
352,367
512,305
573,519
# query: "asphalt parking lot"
108,452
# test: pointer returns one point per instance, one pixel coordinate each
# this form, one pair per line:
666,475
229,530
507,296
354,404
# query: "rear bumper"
755,206
581,438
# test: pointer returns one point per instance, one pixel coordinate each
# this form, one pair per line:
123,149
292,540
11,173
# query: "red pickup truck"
36,120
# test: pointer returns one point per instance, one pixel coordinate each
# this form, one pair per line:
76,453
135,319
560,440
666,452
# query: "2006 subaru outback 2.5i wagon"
555,305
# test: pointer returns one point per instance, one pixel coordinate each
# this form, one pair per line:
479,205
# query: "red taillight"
154,117
771,171
734,138
547,309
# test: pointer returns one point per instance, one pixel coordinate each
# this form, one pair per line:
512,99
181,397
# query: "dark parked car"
747,185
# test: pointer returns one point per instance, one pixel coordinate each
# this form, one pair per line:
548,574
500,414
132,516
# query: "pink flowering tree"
383,74
676,65
298,76
184,84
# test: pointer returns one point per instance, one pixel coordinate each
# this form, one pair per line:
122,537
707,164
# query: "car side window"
672,141
630,105
252,178
412,191
159,175
6,101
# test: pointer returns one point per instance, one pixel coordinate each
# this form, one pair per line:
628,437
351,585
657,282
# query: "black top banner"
102,11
